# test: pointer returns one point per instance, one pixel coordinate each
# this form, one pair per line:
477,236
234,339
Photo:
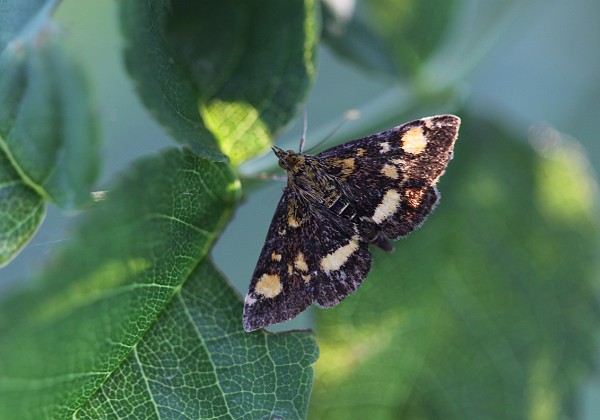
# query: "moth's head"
288,160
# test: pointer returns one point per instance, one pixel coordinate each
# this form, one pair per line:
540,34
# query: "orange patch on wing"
414,197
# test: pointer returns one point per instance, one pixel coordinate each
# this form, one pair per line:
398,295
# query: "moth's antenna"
351,114
304,128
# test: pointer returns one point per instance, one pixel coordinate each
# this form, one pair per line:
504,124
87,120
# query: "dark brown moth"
335,205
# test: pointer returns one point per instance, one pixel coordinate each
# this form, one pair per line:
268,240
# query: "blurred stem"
441,85
477,28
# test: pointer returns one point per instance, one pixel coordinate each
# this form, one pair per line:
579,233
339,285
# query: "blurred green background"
536,62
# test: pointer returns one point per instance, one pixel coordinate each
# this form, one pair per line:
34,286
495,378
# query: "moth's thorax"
306,175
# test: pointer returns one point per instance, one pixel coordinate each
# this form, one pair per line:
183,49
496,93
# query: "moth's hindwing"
336,203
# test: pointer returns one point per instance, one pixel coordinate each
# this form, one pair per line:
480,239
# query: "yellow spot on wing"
388,206
346,165
275,256
414,141
300,262
306,278
360,152
269,285
385,147
338,258
390,171
293,222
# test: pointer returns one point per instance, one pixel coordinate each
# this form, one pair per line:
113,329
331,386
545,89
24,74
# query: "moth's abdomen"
341,206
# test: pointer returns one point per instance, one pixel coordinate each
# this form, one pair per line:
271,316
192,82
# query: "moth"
338,203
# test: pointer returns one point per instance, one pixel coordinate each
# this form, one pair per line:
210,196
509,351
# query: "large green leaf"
488,311
221,76
197,362
131,319
48,136
60,341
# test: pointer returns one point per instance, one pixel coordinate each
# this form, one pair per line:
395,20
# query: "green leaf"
62,340
18,18
197,362
46,127
389,36
48,136
221,76
21,211
488,311
131,319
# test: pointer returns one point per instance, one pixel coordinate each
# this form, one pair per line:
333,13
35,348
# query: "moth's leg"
370,233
